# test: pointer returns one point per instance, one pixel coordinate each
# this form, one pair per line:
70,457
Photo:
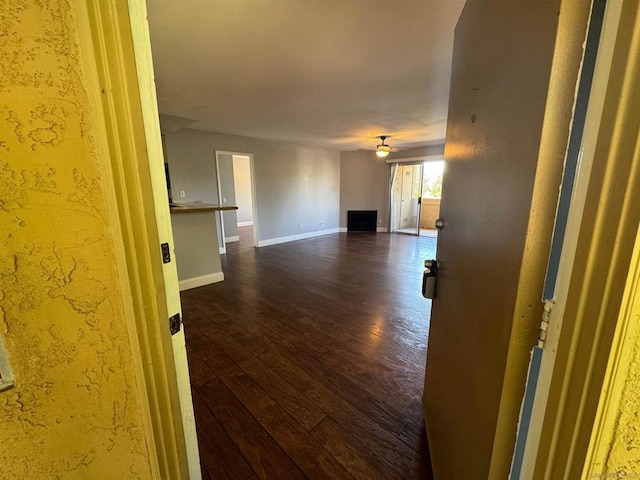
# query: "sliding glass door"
406,195
415,197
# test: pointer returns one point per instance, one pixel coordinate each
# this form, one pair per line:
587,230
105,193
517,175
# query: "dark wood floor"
308,360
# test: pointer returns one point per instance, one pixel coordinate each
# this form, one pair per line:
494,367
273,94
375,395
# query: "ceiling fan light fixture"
382,152
383,149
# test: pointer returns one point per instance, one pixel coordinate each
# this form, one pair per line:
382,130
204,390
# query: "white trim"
234,238
293,238
194,282
240,154
422,158
245,224
222,250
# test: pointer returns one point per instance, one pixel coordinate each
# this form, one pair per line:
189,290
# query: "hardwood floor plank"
370,342
414,436
199,371
316,343
264,455
371,405
205,474
317,352
398,386
219,463
373,437
250,337
304,450
332,437
292,401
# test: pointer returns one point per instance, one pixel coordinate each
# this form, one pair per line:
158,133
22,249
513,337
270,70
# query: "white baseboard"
235,238
222,250
245,224
378,229
194,282
293,238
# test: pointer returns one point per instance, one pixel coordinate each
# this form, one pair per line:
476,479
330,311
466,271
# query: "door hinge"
166,253
544,324
174,324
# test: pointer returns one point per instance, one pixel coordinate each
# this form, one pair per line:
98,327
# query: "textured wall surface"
75,411
624,453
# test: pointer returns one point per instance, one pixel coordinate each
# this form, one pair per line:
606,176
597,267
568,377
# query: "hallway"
308,360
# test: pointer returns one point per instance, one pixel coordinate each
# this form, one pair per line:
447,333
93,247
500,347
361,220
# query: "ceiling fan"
382,150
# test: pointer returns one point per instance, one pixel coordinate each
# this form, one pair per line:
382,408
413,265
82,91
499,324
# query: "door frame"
394,164
124,98
598,257
254,203
402,187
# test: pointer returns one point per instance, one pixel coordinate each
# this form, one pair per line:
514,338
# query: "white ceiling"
332,73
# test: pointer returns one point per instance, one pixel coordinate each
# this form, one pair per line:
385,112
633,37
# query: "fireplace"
362,220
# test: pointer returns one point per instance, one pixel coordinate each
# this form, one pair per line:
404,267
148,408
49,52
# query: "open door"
506,130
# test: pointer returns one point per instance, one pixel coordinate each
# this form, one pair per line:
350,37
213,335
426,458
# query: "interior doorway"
415,197
236,187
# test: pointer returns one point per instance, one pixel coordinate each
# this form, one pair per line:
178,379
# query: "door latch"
429,279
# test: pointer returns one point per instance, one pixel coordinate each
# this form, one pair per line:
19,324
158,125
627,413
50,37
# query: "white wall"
242,182
297,187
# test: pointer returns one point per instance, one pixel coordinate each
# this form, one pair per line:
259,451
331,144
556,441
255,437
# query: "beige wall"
297,187
364,185
196,246
430,211
364,180
77,407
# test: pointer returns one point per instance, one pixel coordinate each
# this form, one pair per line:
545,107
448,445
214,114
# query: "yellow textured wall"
76,410
624,452
615,442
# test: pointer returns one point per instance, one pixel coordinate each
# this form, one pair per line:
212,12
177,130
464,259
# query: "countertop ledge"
199,207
